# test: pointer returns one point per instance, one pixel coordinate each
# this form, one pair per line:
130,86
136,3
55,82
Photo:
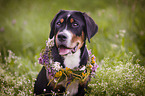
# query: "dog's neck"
72,60
77,59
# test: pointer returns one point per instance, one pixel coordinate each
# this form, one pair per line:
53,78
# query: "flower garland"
57,73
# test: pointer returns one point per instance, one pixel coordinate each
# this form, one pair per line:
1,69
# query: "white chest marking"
73,88
72,60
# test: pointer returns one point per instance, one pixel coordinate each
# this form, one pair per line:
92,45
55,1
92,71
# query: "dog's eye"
58,23
75,25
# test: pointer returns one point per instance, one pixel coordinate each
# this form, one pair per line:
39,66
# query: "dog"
70,30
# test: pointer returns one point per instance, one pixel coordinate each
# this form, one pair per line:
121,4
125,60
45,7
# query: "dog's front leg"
41,82
83,87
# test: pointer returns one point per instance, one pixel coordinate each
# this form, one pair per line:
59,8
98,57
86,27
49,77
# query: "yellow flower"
93,58
67,68
62,70
69,72
93,62
90,66
83,74
58,74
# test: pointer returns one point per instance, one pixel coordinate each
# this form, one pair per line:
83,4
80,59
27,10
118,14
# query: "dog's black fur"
81,26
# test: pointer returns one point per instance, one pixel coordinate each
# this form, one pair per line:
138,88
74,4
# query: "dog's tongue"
64,51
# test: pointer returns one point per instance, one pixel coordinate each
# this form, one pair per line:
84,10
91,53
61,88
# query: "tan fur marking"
79,40
71,20
61,20
56,40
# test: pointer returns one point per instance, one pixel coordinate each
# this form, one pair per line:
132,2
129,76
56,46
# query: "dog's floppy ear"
52,32
91,26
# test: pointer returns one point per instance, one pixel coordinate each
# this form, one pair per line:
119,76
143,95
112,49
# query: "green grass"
115,77
118,45
17,75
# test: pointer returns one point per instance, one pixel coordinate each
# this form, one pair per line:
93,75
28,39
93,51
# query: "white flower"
83,68
50,42
114,45
56,66
123,31
44,90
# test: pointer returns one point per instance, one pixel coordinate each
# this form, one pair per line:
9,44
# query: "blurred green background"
25,26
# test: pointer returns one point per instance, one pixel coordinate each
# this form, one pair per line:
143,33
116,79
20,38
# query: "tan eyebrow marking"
71,20
61,20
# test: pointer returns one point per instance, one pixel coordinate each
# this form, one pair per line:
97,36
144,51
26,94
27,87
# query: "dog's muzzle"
63,44
62,37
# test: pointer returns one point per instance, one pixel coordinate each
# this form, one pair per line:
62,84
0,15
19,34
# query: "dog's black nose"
62,37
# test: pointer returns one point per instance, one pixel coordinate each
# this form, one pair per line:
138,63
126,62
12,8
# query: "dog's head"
70,30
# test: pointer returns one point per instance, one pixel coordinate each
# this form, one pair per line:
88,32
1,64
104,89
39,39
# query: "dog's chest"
72,60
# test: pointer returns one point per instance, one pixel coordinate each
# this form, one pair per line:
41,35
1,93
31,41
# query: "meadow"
118,46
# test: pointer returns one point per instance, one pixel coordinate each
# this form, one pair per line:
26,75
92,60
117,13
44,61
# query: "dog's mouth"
63,50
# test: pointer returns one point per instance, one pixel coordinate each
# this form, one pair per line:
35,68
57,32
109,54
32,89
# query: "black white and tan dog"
70,30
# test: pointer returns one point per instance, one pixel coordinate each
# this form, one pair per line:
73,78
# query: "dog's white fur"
73,88
72,60
69,37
